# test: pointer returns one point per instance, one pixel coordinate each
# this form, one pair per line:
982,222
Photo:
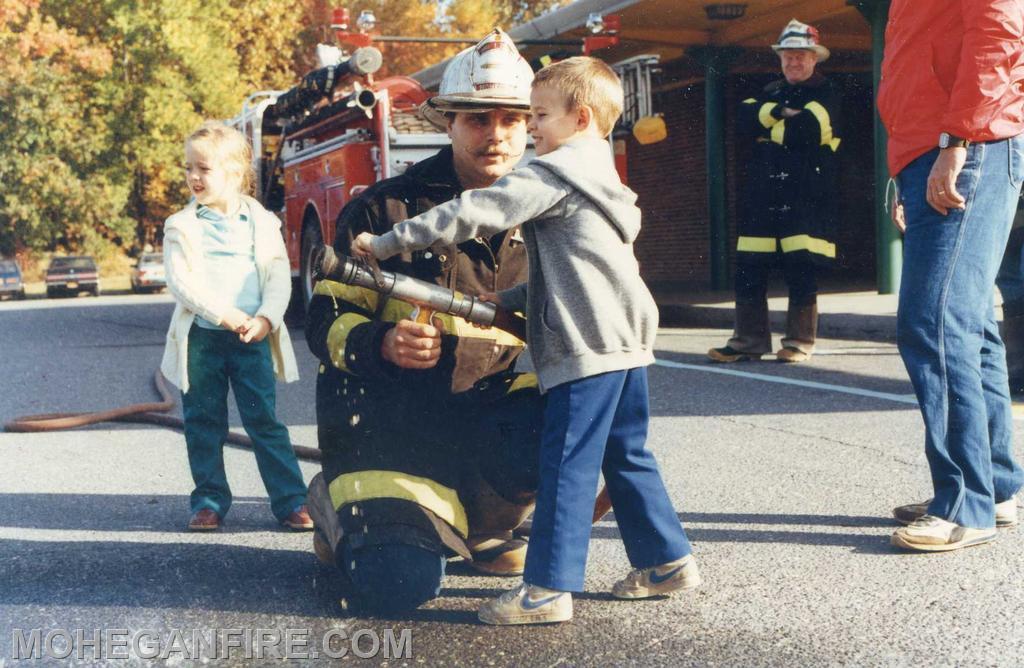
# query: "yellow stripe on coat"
376,484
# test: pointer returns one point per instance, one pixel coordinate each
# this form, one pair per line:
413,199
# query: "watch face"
944,140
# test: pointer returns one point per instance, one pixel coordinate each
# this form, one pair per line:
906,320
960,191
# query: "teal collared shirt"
229,254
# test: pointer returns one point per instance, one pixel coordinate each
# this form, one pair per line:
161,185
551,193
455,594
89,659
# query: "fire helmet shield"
491,75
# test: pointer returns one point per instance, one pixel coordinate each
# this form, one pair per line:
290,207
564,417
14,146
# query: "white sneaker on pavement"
934,534
1006,512
528,604
659,580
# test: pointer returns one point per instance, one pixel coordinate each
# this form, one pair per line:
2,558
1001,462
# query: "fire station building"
692,62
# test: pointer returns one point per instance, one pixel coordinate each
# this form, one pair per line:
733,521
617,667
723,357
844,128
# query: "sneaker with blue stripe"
659,580
528,604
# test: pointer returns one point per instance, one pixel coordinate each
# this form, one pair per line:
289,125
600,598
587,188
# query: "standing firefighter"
788,211
430,439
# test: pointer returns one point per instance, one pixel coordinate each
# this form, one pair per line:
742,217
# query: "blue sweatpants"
598,425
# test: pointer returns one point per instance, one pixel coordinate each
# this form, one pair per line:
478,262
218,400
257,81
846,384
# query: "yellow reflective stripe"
750,100
337,337
522,382
362,297
824,122
364,485
834,144
765,114
808,243
779,132
756,244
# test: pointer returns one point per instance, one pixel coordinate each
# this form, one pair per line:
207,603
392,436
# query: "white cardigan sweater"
184,267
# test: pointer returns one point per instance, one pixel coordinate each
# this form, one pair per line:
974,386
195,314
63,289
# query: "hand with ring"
941,192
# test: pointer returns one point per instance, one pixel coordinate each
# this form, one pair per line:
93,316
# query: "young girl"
227,268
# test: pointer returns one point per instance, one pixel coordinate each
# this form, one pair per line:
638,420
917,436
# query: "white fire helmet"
801,36
491,75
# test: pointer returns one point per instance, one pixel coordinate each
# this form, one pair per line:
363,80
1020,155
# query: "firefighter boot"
801,332
752,337
1012,332
327,529
492,518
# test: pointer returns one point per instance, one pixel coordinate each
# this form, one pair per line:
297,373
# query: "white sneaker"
528,604
1006,512
934,534
659,580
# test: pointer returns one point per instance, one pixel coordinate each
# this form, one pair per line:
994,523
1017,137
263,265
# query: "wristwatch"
947,140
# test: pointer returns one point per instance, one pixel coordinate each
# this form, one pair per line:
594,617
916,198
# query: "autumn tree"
55,147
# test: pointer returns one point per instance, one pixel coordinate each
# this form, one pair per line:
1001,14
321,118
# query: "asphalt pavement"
784,476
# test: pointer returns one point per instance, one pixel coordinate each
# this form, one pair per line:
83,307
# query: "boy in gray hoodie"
591,324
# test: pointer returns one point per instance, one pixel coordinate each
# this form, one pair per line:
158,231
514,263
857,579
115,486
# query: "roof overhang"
669,28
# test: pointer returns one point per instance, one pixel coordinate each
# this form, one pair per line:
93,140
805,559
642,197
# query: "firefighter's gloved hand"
412,345
362,245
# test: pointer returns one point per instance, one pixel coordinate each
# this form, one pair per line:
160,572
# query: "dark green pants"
216,358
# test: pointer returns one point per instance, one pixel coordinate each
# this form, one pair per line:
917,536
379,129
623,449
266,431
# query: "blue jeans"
215,359
947,333
598,425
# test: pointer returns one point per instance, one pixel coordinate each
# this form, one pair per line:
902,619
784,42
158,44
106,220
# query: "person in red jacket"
952,103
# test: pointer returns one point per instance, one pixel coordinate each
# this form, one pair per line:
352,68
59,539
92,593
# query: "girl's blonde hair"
226,145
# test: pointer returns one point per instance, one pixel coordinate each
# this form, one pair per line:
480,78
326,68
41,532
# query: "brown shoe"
729,354
499,557
791,355
299,520
204,520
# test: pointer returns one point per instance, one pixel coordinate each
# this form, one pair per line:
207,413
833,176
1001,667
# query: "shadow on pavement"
714,391
865,543
126,512
163,575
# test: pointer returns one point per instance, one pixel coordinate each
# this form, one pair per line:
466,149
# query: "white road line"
706,368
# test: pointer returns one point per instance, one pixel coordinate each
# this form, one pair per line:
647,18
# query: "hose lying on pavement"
151,413
156,413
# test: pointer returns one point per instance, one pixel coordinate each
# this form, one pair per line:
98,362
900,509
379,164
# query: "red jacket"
953,66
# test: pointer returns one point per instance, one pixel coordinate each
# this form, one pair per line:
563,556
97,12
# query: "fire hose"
145,413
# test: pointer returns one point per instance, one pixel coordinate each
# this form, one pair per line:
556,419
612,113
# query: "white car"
148,274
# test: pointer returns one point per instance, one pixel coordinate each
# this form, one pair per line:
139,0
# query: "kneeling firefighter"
429,437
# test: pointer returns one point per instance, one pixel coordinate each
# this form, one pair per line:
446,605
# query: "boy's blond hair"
226,145
583,80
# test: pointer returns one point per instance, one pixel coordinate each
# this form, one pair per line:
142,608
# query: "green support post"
716,61
888,243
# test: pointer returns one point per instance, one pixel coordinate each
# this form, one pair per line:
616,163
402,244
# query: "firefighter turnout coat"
398,445
790,202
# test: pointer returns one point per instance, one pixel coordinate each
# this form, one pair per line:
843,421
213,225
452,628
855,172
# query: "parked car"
71,275
11,284
148,274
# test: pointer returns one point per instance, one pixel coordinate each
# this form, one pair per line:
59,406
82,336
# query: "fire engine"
322,142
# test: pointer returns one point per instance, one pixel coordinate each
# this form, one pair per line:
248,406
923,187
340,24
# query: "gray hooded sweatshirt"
588,311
